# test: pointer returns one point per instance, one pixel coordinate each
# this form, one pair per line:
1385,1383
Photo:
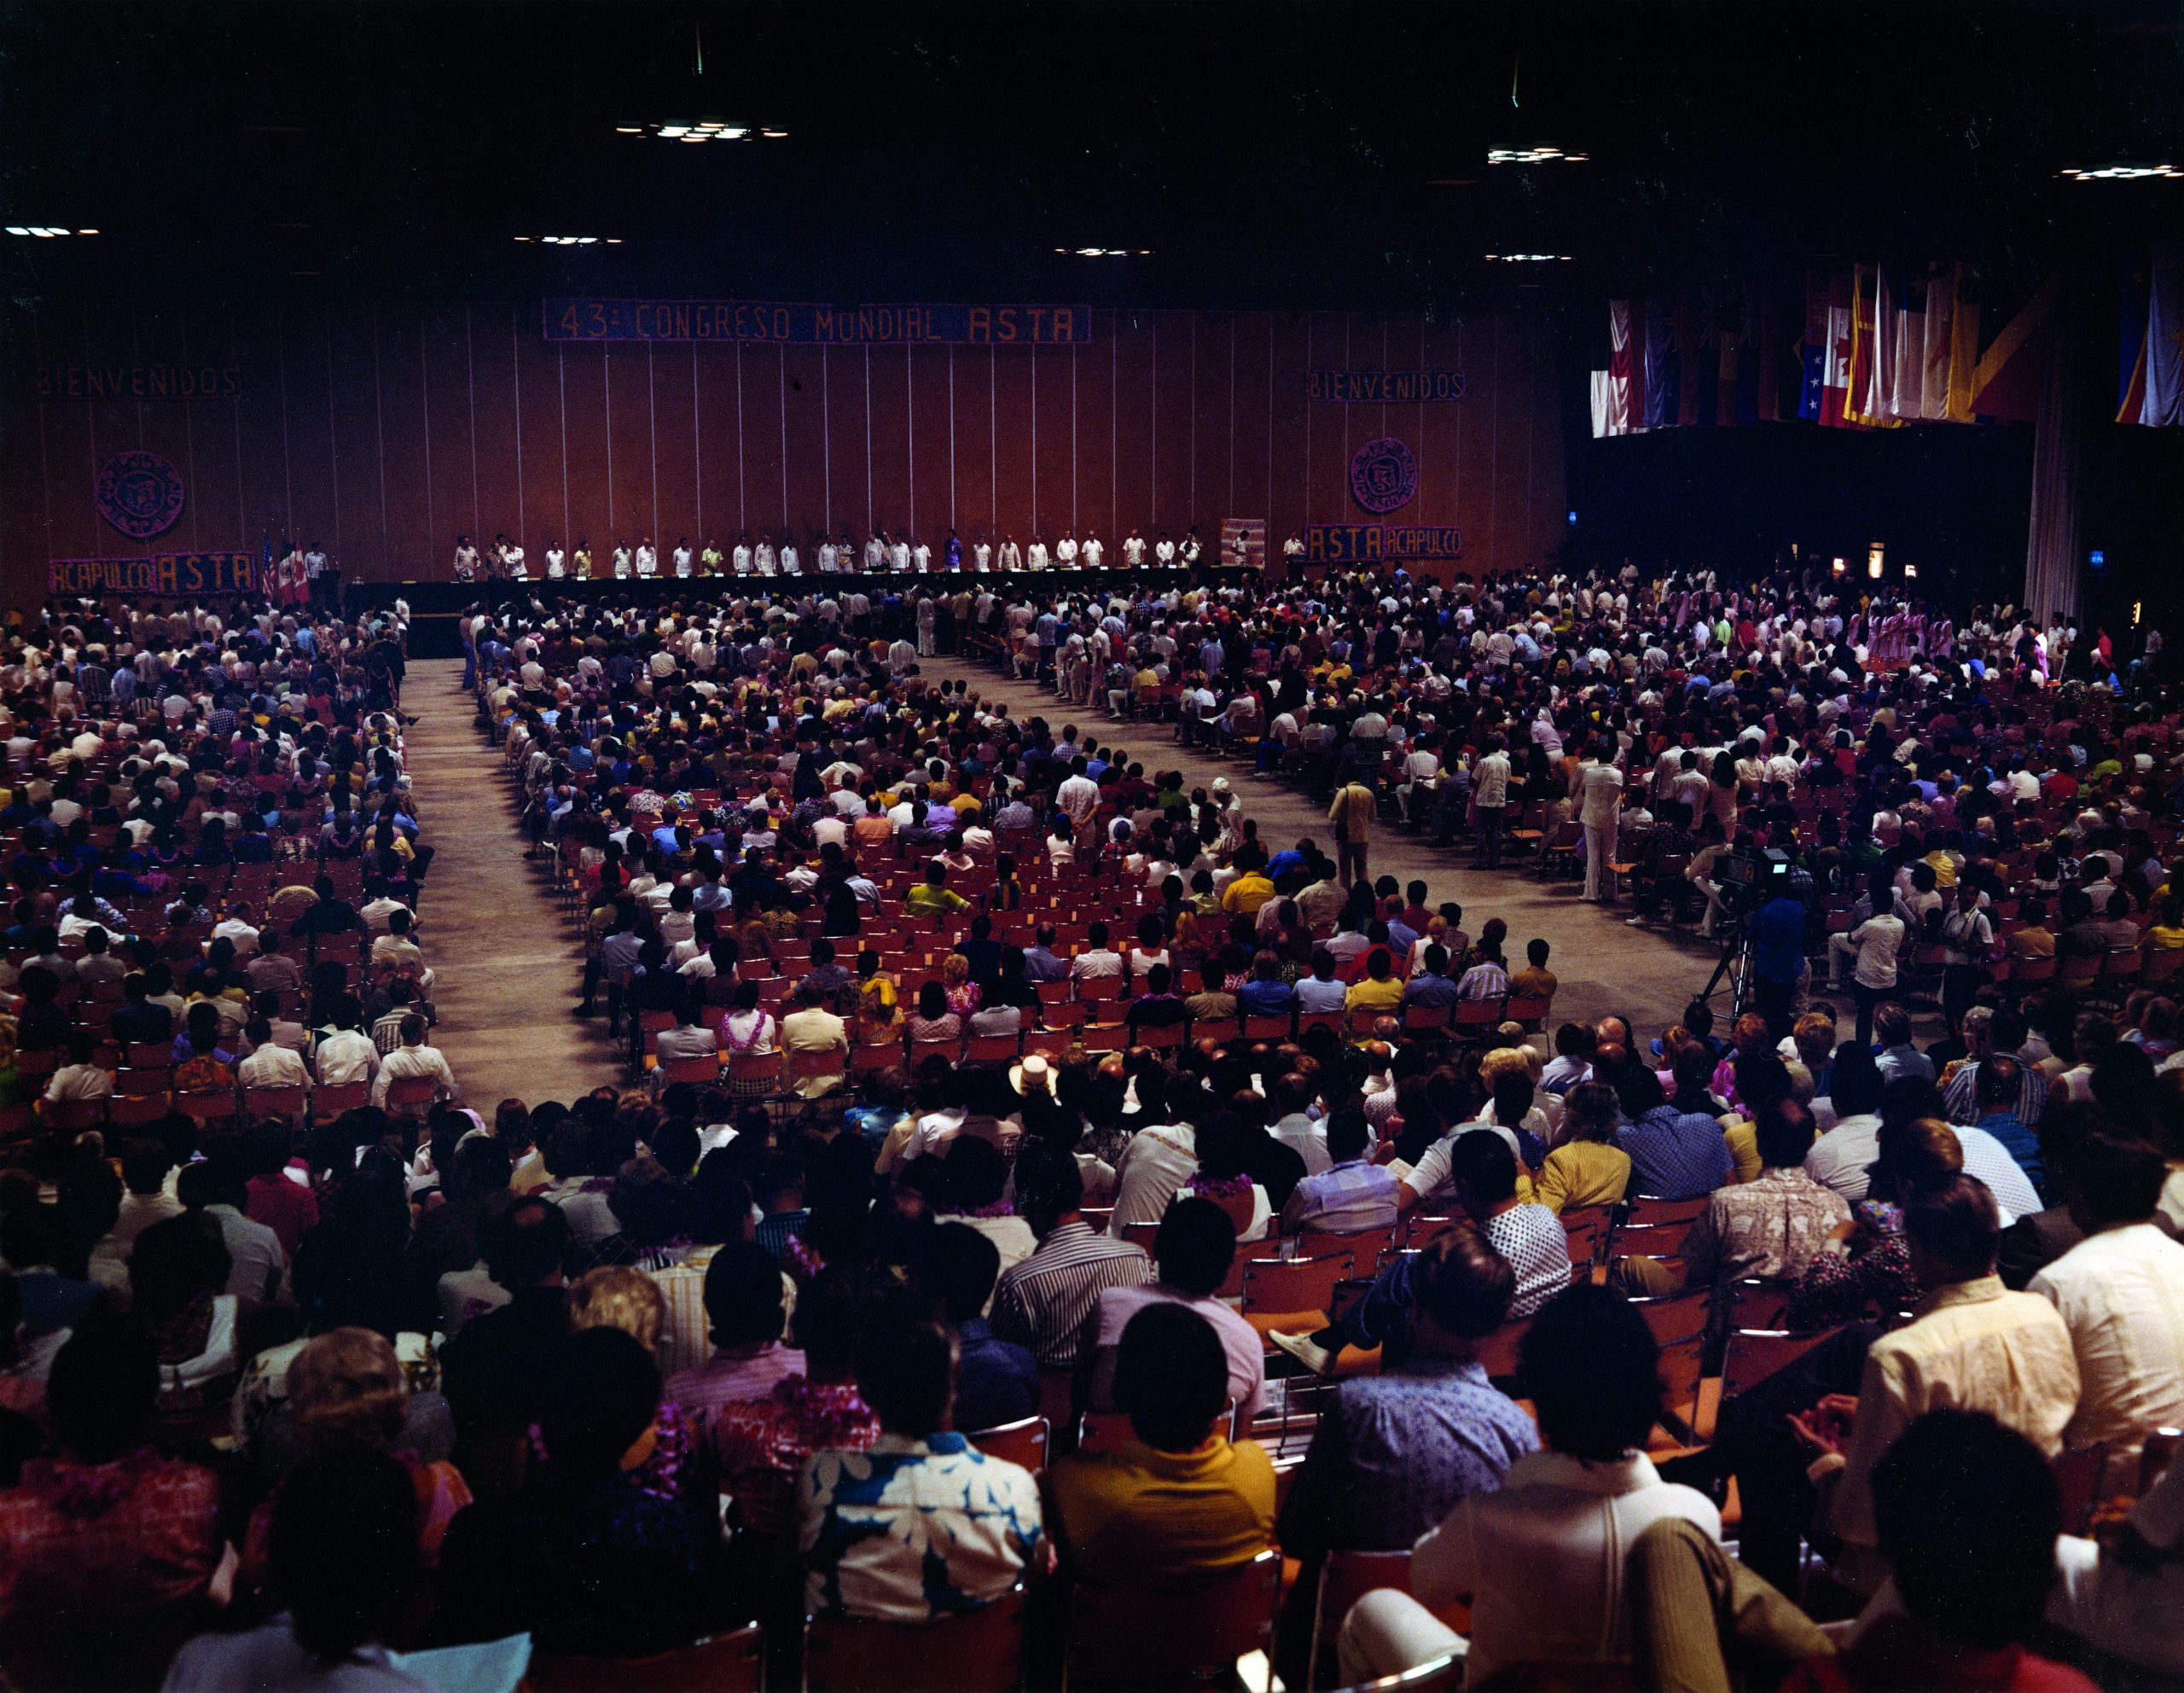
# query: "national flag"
1963,345
265,561
1835,375
1888,343
1664,373
1693,347
1730,334
1764,308
1811,346
1598,393
2133,303
1619,367
1637,367
1934,352
2162,407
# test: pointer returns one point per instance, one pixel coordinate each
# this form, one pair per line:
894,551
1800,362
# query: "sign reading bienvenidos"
803,321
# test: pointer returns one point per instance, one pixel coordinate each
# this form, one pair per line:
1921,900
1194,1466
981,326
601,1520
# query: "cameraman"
1777,929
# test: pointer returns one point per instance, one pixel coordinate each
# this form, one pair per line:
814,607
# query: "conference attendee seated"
582,1557
1589,1168
1354,1196
1393,1453
1539,1559
345,1576
1179,1502
922,1524
1768,1229
1195,1247
1044,1302
996,1381
1965,1511
743,1303
2122,1591
1972,1345
107,1549
1674,1155
1529,1238
2120,1292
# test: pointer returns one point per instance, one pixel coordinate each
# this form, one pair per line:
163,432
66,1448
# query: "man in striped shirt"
1044,1303
1488,978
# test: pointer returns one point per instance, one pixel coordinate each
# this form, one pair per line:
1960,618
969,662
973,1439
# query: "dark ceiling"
1268,153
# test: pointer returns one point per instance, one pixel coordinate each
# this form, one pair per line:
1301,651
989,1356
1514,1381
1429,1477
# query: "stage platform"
434,606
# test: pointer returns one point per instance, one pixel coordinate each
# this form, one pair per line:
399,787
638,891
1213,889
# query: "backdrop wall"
381,431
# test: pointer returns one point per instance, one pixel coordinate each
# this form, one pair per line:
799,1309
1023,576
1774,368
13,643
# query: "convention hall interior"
1286,847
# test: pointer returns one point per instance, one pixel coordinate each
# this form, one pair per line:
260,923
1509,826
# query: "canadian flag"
1835,362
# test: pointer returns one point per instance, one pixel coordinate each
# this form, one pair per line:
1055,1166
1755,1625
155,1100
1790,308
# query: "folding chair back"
1177,1637
727,1663
1023,1442
983,1650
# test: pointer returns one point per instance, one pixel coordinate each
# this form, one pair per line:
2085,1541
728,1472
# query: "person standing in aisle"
1600,801
1351,814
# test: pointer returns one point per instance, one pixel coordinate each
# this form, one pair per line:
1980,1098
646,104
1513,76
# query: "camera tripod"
1735,966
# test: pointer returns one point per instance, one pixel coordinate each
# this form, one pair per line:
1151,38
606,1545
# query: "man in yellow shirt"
933,897
1247,893
1179,1501
1377,991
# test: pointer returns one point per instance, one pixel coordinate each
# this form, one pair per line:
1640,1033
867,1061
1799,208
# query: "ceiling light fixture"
1533,155
572,241
1106,251
2119,173
1529,258
43,231
701,129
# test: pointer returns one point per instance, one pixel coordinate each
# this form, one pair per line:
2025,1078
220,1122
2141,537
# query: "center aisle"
508,965
1605,968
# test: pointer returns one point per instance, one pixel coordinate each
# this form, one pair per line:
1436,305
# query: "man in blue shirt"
1265,995
1778,954
1397,1451
2000,1078
996,1381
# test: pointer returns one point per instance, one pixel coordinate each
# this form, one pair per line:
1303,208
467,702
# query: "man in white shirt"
683,555
2120,1292
344,1053
647,558
557,561
413,1058
270,1065
739,560
1164,551
1133,549
1600,801
621,560
1093,550
1066,553
1541,1558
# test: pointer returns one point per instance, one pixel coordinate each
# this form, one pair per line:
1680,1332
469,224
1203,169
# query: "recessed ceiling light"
775,135
87,232
1533,155
1528,257
18,229
628,129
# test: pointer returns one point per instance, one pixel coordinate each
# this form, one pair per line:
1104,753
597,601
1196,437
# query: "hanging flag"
1963,345
1812,347
1600,391
1619,367
1692,349
1934,352
1908,362
1765,307
2134,301
2164,358
1842,342
1664,377
1887,344
1638,400
1729,351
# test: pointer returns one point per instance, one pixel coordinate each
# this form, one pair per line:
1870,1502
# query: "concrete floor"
1645,975
508,965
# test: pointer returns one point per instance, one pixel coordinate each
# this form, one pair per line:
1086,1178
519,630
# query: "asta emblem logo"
1383,475
140,494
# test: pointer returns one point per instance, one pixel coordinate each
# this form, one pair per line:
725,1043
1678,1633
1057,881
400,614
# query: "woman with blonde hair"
347,1393
615,1296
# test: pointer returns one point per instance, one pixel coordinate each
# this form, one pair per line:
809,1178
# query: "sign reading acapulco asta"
1385,387
172,575
1367,543
766,320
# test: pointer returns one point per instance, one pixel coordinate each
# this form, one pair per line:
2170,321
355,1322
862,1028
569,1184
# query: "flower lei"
1219,1187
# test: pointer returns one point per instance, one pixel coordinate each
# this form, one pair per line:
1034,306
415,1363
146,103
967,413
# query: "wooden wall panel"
382,431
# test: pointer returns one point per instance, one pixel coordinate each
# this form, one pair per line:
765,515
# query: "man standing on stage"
681,554
320,577
466,560
647,558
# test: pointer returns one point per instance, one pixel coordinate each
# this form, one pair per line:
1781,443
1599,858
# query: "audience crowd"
1026,1175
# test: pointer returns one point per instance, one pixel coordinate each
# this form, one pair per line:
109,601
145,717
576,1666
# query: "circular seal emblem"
140,493
1383,474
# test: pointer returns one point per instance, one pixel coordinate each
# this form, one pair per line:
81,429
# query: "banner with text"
138,381
1370,543
178,575
1385,387
763,320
